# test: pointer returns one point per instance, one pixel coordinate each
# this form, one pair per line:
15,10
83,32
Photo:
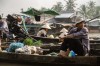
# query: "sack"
14,46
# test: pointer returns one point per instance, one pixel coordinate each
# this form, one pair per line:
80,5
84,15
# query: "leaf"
28,41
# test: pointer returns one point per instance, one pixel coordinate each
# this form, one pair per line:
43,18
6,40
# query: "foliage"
43,9
58,7
89,10
70,5
31,42
97,11
28,41
83,11
37,43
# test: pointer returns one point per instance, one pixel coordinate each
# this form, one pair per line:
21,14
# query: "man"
1,30
76,40
4,31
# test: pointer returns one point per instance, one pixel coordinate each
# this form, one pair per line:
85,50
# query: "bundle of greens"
28,41
37,43
31,42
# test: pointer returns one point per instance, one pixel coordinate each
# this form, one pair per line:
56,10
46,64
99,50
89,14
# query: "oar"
93,18
25,30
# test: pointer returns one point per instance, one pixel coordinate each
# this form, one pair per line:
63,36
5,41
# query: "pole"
93,18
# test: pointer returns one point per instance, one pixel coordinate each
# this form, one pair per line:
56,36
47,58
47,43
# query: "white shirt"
41,32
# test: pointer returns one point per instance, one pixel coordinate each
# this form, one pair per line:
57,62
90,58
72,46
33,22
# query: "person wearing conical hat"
64,30
77,40
43,31
63,34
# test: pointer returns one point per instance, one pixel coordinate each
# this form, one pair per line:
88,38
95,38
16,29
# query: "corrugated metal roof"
65,15
95,22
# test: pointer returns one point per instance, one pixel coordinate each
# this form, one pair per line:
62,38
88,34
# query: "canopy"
51,12
33,12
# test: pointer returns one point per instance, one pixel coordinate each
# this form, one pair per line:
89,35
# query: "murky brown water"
14,64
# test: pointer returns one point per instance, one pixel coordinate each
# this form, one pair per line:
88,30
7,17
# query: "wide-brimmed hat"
46,26
80,21
64,30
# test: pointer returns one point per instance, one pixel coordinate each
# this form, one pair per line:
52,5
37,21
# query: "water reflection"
13,64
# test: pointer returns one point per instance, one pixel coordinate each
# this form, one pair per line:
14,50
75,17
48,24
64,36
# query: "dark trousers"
73,44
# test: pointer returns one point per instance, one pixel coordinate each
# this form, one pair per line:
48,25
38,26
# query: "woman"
76,40
43,31
64,33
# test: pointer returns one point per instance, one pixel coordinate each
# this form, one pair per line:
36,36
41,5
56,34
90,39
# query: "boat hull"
49,60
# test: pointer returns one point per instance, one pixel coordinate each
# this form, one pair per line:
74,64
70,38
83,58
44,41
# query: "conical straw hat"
79,21
64,30
46,26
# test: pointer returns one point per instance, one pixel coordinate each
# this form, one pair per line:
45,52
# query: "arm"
81,33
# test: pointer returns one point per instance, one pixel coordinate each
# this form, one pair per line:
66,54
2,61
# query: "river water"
13,64
16,64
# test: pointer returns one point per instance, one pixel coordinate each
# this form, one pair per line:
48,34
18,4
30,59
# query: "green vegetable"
31,42
28,41
37,43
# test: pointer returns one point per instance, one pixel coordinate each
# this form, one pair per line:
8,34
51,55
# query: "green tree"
89,11
43,9
58,7
70,5
91,7
83,11
97,11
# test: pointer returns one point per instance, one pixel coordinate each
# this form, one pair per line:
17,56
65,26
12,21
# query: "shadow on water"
23,63
13,64
19,64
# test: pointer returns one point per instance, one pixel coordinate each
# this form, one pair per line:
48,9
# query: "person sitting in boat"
76,40
43,31
3,29
1,25
64,33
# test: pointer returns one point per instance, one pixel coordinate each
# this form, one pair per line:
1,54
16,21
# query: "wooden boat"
52,43
56,40
49,60
94,45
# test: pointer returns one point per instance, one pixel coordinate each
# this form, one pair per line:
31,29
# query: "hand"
70,36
